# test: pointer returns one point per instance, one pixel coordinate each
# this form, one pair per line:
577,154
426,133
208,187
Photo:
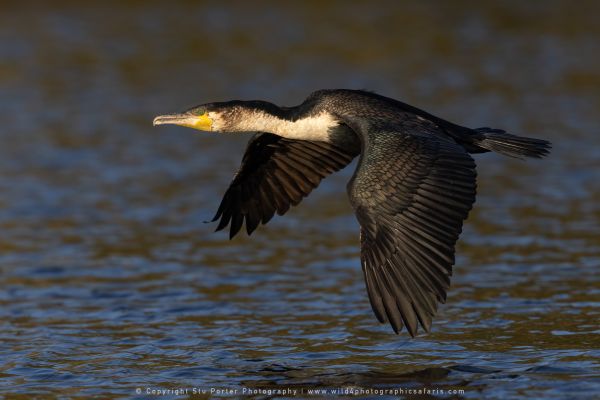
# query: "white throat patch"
309,128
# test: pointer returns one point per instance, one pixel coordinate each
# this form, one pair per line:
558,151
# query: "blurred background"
110,281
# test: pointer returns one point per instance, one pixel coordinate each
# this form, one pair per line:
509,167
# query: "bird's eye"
200,110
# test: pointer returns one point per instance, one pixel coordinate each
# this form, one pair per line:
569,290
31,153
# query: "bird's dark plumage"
411,194
276,173
414,185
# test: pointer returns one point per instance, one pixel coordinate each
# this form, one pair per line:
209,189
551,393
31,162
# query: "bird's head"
230,116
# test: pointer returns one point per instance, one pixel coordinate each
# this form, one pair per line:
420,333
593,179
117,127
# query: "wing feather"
276,173
411,193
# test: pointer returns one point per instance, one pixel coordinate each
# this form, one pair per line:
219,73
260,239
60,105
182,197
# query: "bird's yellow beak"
201,122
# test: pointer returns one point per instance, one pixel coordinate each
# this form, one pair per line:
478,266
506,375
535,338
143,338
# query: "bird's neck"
307,127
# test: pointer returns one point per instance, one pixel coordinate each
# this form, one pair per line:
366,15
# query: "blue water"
110,281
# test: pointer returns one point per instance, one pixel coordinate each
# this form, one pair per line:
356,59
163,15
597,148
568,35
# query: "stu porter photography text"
295,391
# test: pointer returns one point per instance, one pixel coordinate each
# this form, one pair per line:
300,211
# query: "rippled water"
111,282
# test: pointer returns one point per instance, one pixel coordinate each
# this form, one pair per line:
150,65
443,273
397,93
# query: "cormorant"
412,189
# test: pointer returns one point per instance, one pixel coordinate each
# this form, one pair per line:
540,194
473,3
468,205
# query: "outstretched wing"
411,193
275,174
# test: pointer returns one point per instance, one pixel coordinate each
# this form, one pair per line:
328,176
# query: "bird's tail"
504,143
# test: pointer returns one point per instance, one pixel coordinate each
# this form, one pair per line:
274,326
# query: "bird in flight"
413,187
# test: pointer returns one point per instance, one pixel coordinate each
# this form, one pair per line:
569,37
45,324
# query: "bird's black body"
414,185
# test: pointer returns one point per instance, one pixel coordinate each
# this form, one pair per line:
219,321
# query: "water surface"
110,281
